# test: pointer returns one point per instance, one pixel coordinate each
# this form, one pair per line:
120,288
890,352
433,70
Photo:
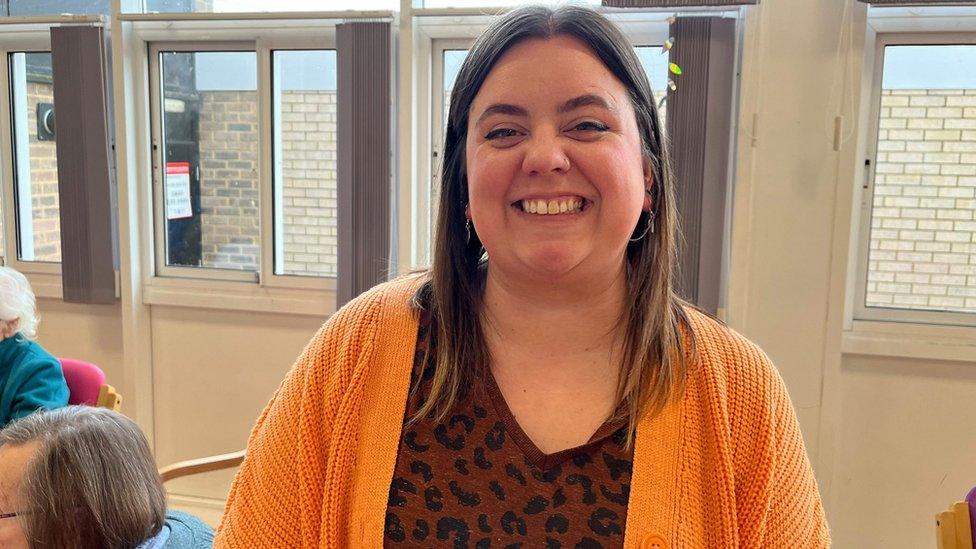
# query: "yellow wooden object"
952,527
109,398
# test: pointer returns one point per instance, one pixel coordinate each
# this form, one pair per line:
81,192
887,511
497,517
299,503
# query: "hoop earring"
649,228
467,231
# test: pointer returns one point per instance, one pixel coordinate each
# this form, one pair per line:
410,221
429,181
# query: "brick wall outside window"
923,231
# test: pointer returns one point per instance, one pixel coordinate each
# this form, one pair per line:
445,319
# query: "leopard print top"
477,480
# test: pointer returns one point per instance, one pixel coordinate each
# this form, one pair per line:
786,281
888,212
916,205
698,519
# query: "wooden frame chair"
201,465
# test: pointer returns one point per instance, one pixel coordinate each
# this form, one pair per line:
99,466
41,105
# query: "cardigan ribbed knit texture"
723,465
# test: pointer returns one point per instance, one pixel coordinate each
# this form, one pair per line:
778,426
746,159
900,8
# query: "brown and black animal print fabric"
476,480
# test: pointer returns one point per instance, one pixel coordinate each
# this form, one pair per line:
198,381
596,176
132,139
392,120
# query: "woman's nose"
543,155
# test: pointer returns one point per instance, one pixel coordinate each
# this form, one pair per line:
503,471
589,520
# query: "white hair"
17,302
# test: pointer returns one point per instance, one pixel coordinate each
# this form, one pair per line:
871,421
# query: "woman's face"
555,172
8,328
13,466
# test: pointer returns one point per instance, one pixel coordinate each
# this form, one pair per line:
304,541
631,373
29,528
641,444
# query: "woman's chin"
554,262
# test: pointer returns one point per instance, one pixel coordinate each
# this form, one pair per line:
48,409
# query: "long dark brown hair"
654,364
92,482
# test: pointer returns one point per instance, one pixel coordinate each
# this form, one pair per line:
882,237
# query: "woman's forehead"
14,459
552,70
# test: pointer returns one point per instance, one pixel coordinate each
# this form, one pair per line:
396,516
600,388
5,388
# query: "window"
55,7
208,199
304,126
244,161
492,3
919,245
35,163
227,6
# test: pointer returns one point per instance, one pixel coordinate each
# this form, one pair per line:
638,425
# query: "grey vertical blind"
699,119
364,167
674,3
87,238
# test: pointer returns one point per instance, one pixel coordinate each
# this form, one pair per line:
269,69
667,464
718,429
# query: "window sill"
906,340
240,296
45,285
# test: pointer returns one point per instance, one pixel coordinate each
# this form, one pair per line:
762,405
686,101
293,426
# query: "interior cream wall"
906,449
213,372
891,438
87,332
785,192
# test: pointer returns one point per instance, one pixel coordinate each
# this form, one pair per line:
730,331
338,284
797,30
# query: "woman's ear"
648,185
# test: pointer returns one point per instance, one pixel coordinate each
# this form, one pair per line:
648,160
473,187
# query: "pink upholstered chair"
86,385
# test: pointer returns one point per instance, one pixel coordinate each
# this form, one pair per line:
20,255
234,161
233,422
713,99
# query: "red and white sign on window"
178,190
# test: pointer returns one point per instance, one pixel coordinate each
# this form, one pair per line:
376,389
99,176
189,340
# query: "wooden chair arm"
201,465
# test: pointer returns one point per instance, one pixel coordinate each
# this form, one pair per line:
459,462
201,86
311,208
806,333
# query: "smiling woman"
541,384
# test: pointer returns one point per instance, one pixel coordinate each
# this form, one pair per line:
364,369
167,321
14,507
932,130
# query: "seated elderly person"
30,378
80,477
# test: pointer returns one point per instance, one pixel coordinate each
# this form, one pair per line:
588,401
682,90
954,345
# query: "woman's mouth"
556,206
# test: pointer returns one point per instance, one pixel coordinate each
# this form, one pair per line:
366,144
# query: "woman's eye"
590,126
501,133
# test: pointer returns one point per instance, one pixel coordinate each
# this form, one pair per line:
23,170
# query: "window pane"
923,234
35,157
223,6
654,59
304,126
56,7
210,141
496,3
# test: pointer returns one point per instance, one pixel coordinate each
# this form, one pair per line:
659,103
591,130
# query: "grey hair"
17,302
92,483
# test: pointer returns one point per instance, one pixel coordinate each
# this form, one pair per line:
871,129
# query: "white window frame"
440,29
862,312
159,221
23,37
264,33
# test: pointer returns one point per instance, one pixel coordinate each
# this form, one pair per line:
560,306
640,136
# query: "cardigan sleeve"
37,383
796,517
279,488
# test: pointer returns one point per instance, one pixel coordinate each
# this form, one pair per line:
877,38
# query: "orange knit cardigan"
722,466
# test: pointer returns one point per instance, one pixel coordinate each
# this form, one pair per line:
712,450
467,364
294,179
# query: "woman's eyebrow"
585,101
502,108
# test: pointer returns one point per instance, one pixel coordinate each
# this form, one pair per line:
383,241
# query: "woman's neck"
579,316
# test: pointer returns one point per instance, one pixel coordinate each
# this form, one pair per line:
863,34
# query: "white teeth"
552,207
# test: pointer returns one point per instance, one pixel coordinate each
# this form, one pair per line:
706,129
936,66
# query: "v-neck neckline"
532,453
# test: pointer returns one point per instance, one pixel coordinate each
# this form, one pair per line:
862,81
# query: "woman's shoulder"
27,352
384,302
187,532
379,317
736,368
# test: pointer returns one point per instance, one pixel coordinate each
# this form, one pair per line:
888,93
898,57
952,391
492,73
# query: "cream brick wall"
229,192
923,228
308,134
229,195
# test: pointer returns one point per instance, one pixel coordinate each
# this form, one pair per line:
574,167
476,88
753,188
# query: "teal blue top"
30,379
181,531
